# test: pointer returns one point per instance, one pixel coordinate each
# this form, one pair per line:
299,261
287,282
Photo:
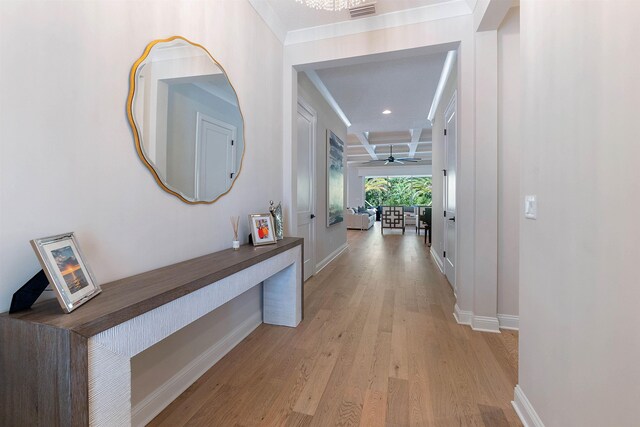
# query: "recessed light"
386,112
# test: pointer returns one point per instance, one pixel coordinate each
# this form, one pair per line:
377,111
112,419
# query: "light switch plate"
530,207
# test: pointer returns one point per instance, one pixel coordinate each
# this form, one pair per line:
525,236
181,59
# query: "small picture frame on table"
262,230
68,274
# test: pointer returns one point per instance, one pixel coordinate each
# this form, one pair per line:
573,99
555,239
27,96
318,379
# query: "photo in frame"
64,266
262,230
335,179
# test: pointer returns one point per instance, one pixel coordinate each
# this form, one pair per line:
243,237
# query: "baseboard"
333,255
524,409
509,321
477,323
485,324
154,403
463,317
438,260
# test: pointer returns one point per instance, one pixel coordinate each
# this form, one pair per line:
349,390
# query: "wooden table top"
130,297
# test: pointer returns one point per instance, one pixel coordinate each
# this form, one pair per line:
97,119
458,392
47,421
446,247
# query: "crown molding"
324,91
270,17
416,15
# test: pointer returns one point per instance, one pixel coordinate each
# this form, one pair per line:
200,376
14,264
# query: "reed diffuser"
235,221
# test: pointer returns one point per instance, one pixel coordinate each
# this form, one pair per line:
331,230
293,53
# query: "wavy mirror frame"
136,133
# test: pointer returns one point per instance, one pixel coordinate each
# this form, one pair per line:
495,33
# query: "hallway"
378,346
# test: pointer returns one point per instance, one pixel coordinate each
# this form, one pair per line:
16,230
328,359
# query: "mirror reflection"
187,120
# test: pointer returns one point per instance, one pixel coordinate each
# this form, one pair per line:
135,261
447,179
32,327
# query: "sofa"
360,219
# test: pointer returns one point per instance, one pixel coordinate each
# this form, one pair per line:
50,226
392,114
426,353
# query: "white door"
305,210
215,157
450,147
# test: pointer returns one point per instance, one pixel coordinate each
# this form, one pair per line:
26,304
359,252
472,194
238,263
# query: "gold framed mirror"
186,120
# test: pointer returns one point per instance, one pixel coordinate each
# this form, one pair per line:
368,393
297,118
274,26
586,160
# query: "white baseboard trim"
463,317
485,324
438,260
509,321
524,409
333,255
154,403
477,323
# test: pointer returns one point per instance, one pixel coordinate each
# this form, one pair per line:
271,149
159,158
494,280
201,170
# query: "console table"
74,369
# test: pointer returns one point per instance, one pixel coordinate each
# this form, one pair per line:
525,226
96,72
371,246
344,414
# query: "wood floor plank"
378,346
397,403
374,411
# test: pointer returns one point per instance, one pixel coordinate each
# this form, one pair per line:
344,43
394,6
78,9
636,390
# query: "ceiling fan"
392,159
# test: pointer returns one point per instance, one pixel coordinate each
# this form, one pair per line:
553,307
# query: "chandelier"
332,5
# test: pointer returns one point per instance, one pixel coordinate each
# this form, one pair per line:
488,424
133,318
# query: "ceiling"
294,15
363,88
405,86
359,89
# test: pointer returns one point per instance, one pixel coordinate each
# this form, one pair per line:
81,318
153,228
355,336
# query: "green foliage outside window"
399,191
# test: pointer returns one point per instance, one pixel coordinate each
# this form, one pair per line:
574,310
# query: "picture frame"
262,230
335,179
66,270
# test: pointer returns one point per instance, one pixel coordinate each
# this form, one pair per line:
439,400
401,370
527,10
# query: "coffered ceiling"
362,91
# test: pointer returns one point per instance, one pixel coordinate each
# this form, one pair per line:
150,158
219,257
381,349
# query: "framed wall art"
335,179
66,270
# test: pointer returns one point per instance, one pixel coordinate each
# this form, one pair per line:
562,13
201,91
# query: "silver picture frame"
257,235
66,270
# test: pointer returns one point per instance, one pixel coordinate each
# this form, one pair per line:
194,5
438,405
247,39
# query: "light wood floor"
378,346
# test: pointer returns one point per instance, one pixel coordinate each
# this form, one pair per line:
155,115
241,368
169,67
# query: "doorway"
306,120
449,191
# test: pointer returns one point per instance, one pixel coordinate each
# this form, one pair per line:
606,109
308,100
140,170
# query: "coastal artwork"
70,268
335,180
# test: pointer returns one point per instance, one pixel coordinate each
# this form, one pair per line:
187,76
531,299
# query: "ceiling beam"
444,76
319,84
415,140
364,140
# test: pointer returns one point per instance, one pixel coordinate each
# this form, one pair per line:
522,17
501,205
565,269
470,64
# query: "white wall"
68,161
509,146
579,293
328,239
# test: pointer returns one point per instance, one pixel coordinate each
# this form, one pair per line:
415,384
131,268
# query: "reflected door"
305,209
214,157
450,229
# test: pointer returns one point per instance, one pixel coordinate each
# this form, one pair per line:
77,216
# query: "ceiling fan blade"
399,161
387,162
410,159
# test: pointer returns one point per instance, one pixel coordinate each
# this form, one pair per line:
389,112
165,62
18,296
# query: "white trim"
485,324
324,91
333,255
270,17
400,18
463,317
477,323
524,409
437,259
446,72
509,321
160,398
